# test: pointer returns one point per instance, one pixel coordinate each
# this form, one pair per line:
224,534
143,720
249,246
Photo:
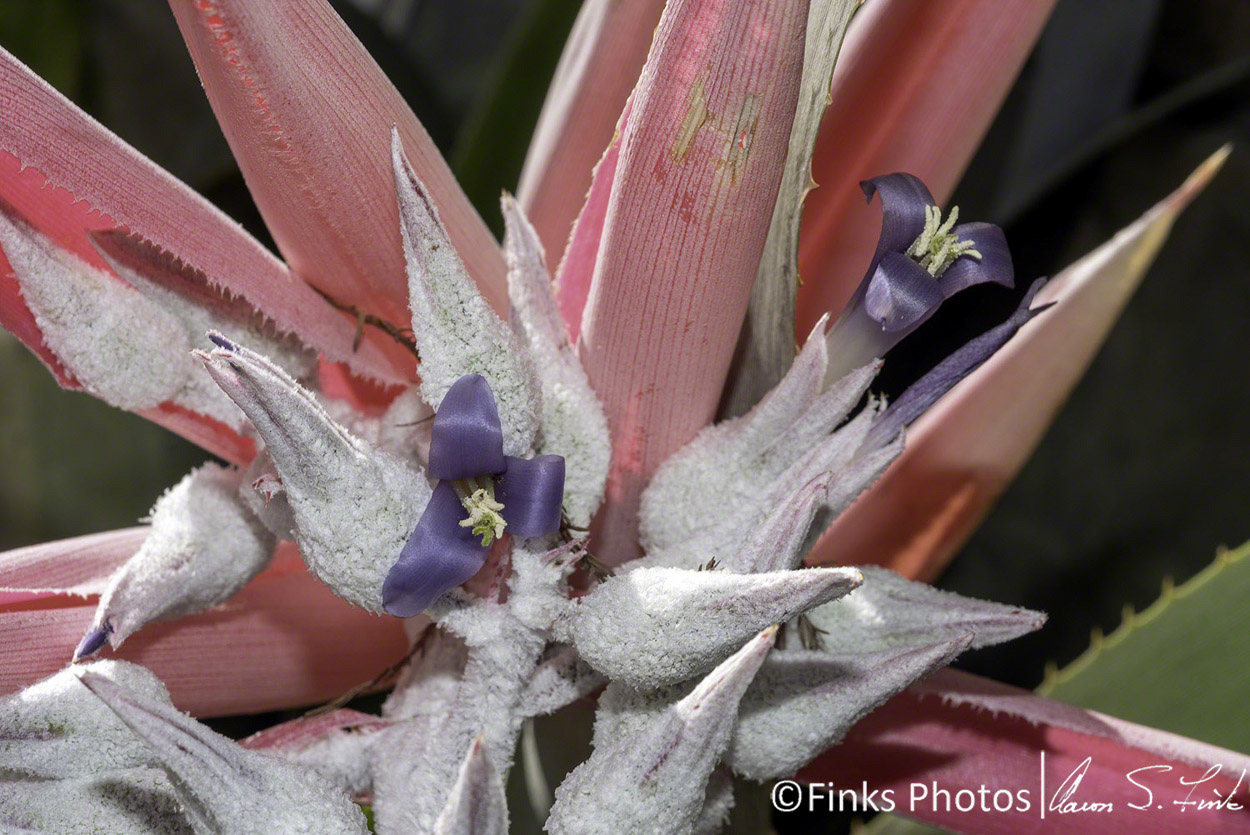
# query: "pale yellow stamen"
479,500
936,248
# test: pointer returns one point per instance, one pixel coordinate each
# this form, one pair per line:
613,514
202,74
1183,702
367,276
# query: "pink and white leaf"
768,337
69,176
954,729
699,166
308,115
284,641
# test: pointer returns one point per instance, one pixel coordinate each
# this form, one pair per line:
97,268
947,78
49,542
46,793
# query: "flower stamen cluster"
478,498
936,248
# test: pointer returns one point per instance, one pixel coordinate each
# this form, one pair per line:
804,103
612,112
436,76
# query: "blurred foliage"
73,465
491,146
49,37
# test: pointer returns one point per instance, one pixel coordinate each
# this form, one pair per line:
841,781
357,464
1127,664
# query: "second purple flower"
481,494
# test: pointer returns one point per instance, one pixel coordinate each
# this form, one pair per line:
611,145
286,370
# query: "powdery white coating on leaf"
654,778
223,786
573,424
353,505
802,702
717,804
119,344
429,684
134,801
456,331
731,520
721,451
417,762
57,729
716,482
658,626
735,517
200,309
888,612
203,547
559,680
777,544
402,430
477,805
538,588
343,756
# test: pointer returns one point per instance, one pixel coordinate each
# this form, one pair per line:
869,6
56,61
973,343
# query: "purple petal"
93,640
466,440
532,490
439,556
925,392
901,293
903,202
994,265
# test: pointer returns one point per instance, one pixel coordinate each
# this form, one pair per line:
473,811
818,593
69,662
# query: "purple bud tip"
93,640
221,342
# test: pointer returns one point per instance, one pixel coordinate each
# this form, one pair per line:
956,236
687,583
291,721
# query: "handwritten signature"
1064,800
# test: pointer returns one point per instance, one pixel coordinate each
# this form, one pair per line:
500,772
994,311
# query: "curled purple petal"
925,392
438,556
93,640
901,293
903,202
994,264
532,491
466,440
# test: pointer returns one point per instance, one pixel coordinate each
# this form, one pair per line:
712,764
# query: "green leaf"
490,148
1178,665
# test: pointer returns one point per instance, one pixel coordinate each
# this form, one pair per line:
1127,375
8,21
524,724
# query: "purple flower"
477,486
921,260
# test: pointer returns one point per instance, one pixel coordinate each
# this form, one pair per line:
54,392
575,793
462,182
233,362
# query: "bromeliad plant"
594,528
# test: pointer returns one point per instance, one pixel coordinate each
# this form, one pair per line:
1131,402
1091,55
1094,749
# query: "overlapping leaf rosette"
546,502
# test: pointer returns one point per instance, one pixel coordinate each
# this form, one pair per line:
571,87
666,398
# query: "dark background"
1144,475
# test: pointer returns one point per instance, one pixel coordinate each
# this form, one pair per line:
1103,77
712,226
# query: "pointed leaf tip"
653,777
477,805
223,786
353,505
653,627
456,331
204,545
